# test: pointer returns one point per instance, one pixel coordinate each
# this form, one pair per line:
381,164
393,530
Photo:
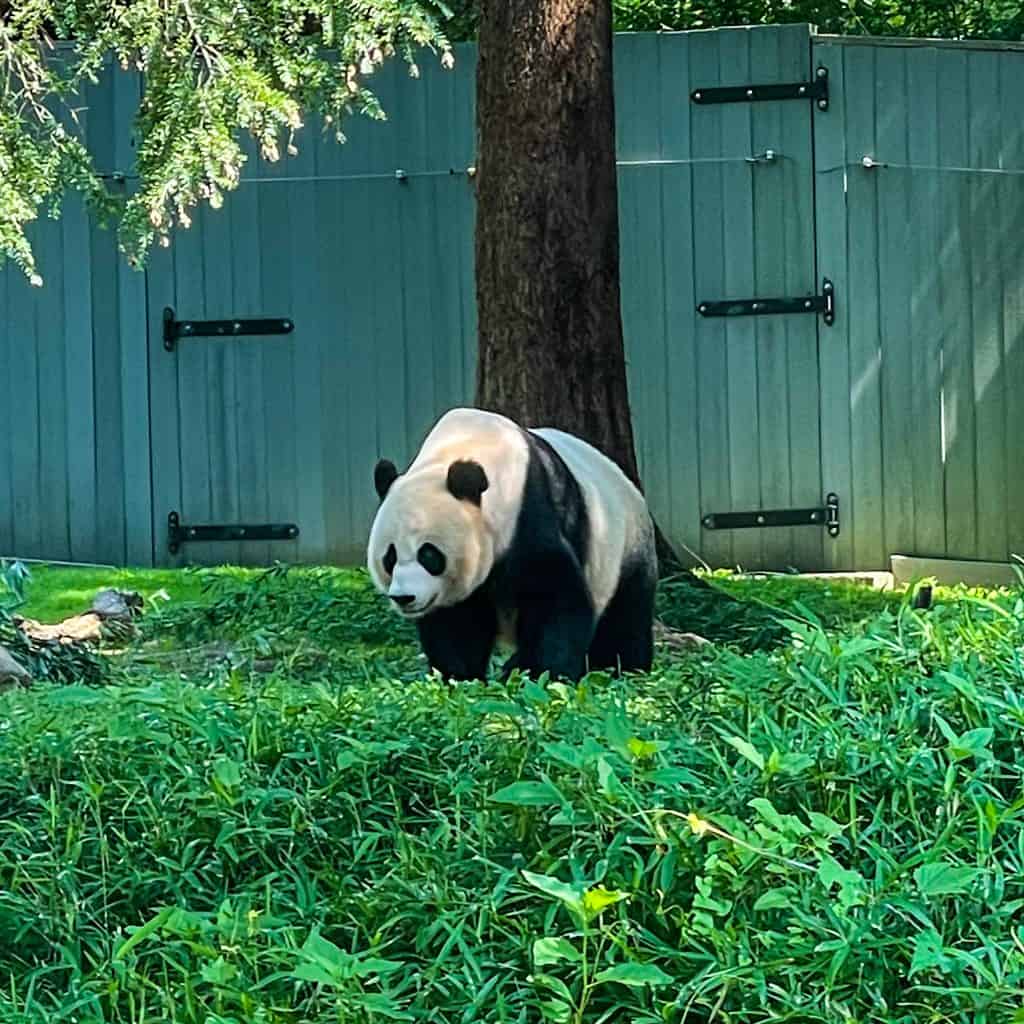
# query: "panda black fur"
532,537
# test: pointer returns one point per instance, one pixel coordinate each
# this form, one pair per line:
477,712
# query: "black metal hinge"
827,516
175,329
825,304
179,533
817,90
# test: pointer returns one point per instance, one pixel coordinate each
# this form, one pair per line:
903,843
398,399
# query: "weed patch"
817,819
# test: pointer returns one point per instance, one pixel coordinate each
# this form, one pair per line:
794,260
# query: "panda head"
429,547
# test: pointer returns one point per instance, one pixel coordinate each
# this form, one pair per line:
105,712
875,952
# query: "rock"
677,639
122,605
11,672
77,629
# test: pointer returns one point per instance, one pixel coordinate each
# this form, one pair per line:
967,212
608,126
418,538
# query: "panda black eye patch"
390,558
432,559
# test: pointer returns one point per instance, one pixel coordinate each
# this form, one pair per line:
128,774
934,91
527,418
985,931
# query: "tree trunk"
547,237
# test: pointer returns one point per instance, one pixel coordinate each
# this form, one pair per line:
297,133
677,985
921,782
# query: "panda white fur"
532,537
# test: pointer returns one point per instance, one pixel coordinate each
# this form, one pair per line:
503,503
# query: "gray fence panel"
726,411
375,270
74,448
928,249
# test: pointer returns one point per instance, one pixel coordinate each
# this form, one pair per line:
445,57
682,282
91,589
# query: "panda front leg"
458,641
555,620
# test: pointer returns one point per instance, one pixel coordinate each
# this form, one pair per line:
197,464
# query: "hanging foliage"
215,71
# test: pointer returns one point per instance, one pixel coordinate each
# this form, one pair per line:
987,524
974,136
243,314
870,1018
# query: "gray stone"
117,604
11,673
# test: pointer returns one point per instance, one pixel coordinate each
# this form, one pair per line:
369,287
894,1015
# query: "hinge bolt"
750,92
696,95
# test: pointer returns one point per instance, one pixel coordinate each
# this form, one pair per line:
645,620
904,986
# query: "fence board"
861,294
680,514
1011,269
983,227
7,432
925,339
834,381
934,246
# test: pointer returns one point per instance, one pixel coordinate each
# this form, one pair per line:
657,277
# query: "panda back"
620,529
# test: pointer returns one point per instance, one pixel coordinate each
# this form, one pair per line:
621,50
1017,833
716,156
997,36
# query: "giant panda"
531,538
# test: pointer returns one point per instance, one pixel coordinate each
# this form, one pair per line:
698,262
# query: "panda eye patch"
432,559
390,558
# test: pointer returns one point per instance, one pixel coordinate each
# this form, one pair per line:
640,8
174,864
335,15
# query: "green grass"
57,592
267,813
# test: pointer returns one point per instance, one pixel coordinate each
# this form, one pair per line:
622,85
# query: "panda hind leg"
458,641
624,638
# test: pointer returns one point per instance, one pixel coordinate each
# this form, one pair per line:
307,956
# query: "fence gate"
717,184
320,319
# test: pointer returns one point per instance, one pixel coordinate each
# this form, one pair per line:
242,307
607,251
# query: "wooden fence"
883,205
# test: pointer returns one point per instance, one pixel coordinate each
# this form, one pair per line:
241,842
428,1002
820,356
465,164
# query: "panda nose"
403,600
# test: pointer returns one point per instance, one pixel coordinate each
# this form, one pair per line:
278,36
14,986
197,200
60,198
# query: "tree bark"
547,237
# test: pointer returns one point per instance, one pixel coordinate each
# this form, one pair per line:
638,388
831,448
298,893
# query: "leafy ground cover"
263,811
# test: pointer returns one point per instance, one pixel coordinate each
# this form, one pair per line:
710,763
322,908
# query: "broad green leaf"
566,753
795,764
228,773
535,693
928,953
316,974
552,951
851,883
556,1010
143,932
774,899
556,985
570,895
595,900
635,975
705,899
324,952
364,967
672,777
528,794
971,744
617,733
749,751
643,749
944,879
608,780
824,825
787,824
220,972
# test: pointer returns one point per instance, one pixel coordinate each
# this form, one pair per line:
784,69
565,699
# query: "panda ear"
467,480
384,475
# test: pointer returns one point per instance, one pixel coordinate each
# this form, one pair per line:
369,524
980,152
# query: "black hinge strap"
825,304
179,533
817,90
827,516
236,327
